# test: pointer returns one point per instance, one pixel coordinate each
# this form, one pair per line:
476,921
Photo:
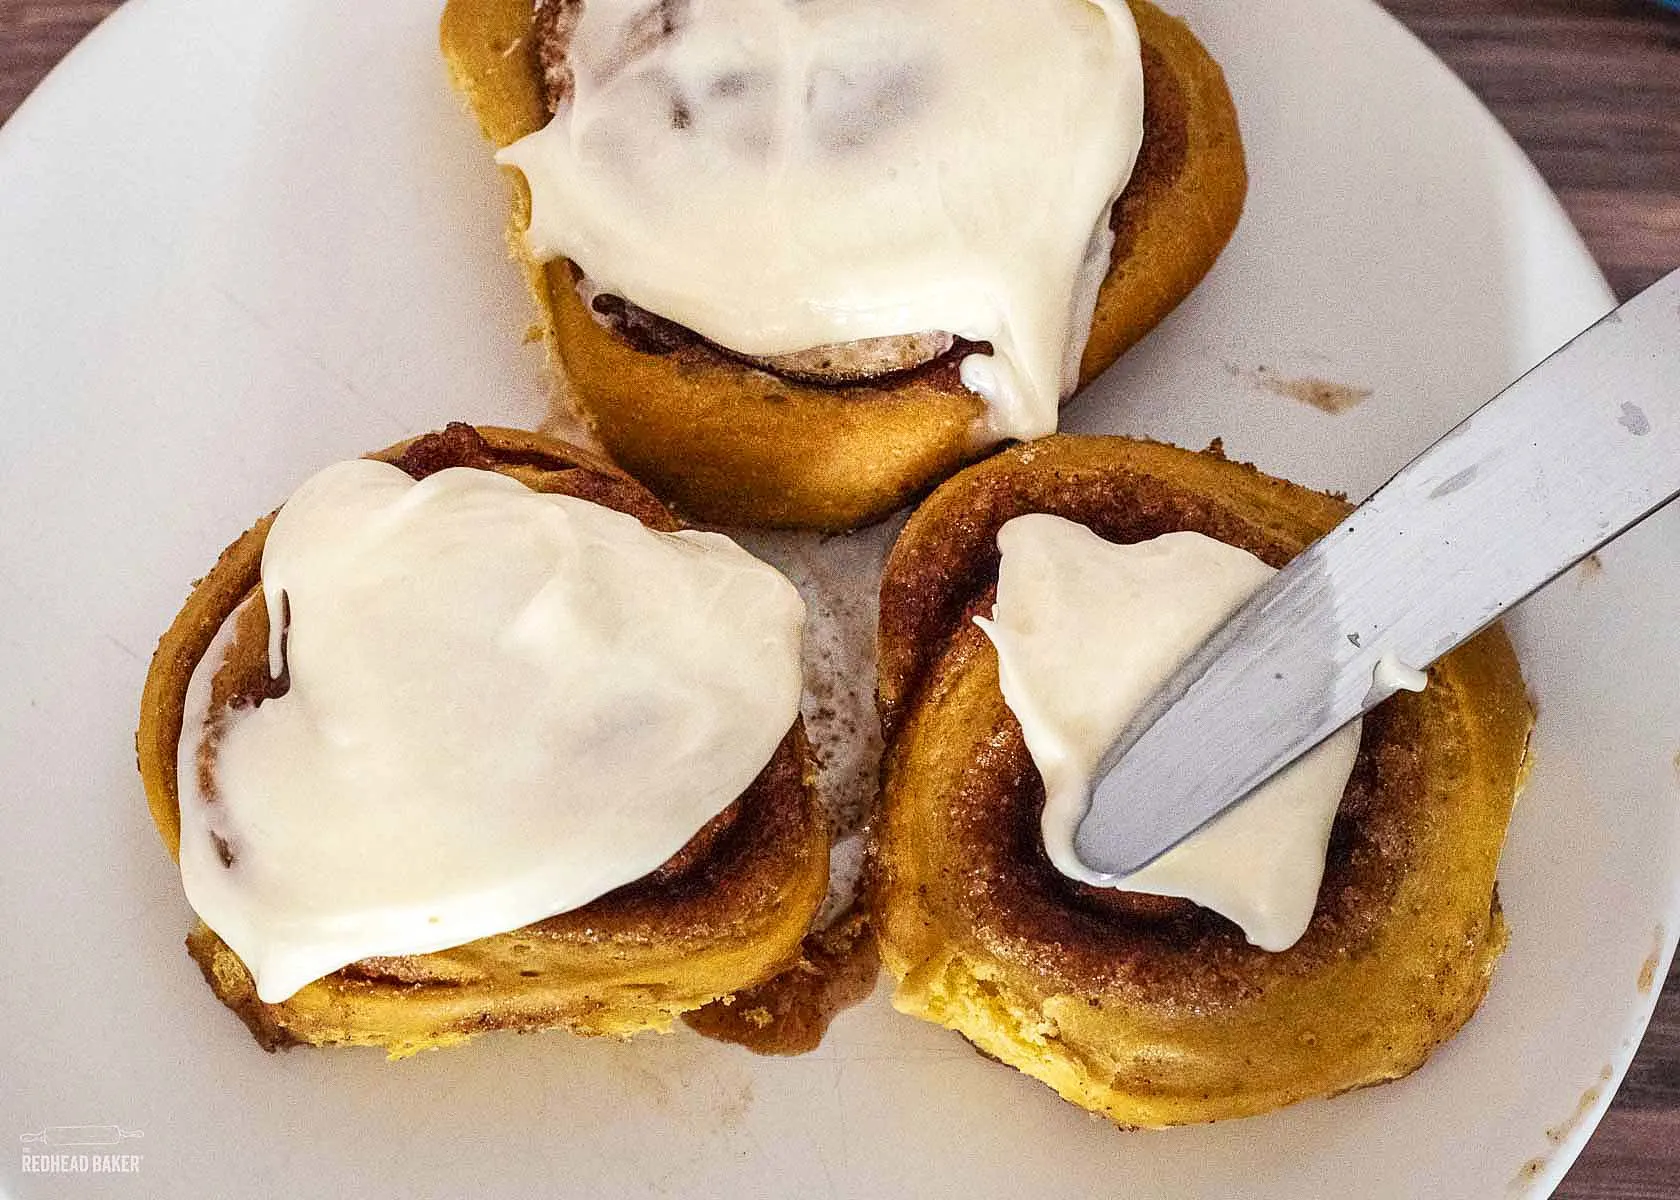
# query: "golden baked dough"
1153,1011
726,913
729,443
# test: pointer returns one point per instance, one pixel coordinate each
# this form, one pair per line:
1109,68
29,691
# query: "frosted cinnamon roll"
1202,988
472,735
797,263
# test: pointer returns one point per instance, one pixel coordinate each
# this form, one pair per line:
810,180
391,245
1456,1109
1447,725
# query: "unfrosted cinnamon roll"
835,432
1149,1009
724,912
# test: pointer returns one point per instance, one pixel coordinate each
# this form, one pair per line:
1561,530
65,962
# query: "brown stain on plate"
1590,567
1648,969
1559,1133
734,1107
1326,395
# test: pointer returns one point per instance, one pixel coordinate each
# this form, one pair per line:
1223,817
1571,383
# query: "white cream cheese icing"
500,705
783,174
1391,675
1086,631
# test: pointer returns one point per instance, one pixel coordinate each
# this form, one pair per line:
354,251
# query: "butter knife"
1579,449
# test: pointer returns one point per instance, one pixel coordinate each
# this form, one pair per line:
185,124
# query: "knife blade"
1575,452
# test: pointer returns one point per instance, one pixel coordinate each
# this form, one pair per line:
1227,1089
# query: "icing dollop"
784,174
494,705
1086,630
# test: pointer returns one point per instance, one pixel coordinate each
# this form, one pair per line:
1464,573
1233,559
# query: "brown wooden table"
1591,88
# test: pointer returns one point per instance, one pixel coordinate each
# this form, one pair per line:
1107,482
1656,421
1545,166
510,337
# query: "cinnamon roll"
1142,1005
815,353
593,846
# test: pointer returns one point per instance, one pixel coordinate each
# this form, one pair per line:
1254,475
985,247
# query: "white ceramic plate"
238,241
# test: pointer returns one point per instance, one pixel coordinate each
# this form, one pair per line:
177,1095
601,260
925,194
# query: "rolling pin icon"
81,1135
